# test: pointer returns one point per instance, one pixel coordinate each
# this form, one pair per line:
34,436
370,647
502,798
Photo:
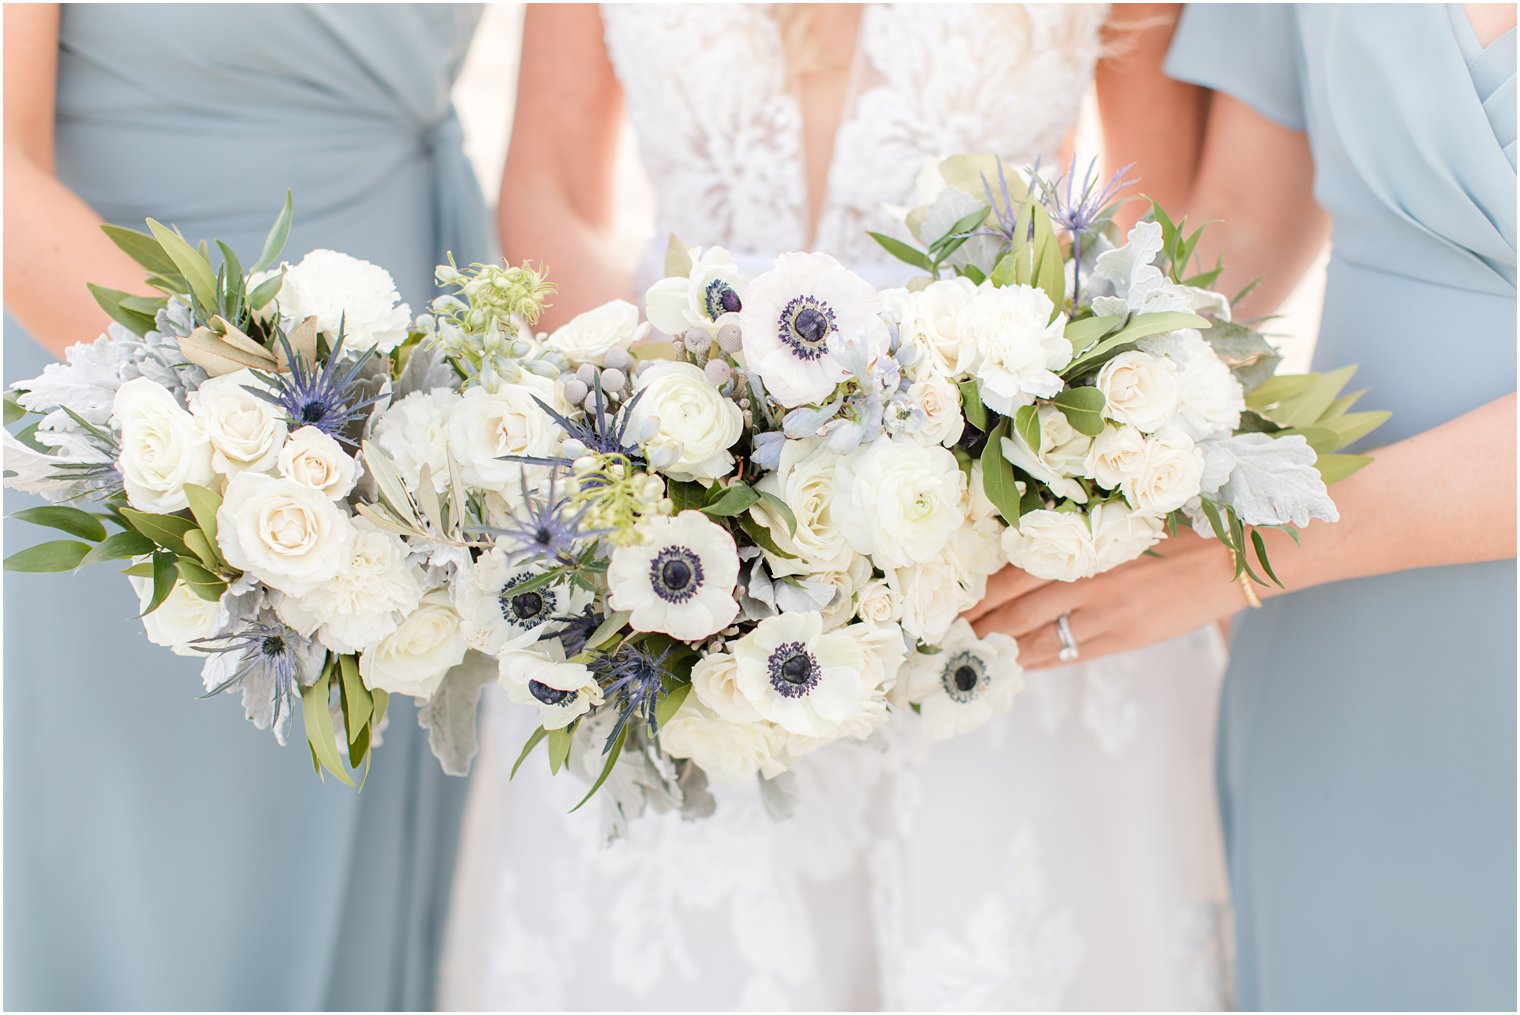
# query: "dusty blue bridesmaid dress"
1367,755
159,851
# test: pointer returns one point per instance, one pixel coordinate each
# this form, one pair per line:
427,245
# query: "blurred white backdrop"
487,90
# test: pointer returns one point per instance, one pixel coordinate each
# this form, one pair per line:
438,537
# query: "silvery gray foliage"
762,596
426,370
696,798
1267,480
449,715
779,795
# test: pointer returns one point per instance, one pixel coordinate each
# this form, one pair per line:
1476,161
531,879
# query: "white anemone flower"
499,618
562,691
678,578
798,321
796,675
705,298
962,687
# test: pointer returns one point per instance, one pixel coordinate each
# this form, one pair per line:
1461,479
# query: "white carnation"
337,290
365,601
1021,347
413,433
930,320
1209,397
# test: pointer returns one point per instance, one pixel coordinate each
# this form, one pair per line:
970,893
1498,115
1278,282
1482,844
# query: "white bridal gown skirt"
1067,856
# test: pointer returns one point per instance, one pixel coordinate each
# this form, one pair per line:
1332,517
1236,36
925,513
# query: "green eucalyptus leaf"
358,706
559,749
142,248
607,767
1026,423
971,404
165,574
319,728
13,410
738,498
670,704
190,262
167,531
1082,334
782,510
113,302
534,740
1334,468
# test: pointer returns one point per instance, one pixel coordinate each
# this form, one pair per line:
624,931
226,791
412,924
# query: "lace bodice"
721,134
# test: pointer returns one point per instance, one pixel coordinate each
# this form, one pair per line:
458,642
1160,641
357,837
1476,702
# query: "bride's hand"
1149,600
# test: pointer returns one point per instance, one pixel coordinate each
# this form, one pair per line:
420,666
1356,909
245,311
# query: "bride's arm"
53,242
557,189
1148,118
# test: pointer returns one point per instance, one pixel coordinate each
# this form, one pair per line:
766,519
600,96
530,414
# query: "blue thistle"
634,680
574,630
323,395
601,432
1081,210
545,527
266,650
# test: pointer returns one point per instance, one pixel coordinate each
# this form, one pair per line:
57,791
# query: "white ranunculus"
898,501
414,658
485,426
930,319
705,298
590,336
1139,389
1115,456
414,433
1053,545
798,676
163,447
804,481
288,536
1062,457
714,680
967,684
316,460
1120,534
692,424
1021,347
246,431
365,601
540,676
939,403
733,751
932,596
1170,475
180,619
1209,397
678,578
799,318
336,289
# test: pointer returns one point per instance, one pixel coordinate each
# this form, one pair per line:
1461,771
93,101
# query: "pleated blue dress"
160,852
1367,753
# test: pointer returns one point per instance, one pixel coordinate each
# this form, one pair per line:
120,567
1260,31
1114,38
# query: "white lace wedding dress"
1065,857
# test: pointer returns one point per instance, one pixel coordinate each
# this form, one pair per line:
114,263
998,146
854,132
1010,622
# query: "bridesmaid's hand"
1143,602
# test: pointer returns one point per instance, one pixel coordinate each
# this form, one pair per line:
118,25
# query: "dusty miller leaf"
449,715
1267,480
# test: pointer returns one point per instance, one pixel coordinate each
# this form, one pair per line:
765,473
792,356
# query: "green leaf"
762,537
971,404
13,410
167,531
533,741
1082,334
142,569
975,274
278,234
608,629
686,496
204,504
1026,423
670,704
142,248
737,499
1334,468
612,760
68,519
1252,358
49,557
961,226
1139,326
1261,555
165,574
197,543
1353,426
1322,439
200,580
902,251
358,706
1083,408
1301,399
319,728
559,749
1211,512
195,268
781,508
113,302
265,291
997,476
119,546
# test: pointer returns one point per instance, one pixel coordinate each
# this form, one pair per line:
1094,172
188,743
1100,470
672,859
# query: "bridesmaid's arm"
557,194
1148,118
53,242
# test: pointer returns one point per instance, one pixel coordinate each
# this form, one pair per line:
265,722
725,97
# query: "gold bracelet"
1252,599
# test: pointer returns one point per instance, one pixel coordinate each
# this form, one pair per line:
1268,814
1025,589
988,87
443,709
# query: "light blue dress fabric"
1367,754
161,853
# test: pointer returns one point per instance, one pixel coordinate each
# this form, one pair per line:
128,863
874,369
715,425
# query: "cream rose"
932,597
1139,389
1209,397
246,431
714,682
414,658
1170,474
1120,534
879,603
683,420
1053,545
1115,456
899,502
288,536
485,426
590,336
163,447
804,481
730,750
938,401
180,619
316,460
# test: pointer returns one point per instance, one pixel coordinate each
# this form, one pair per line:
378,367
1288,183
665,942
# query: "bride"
1067,855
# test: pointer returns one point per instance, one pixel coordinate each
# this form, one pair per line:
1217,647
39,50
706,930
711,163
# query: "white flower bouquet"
703,545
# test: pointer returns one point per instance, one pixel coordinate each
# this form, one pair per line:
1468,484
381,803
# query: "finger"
1043,645
1030,612
1009,583
1097,648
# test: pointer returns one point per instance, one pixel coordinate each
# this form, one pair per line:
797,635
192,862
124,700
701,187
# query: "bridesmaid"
159,851
1367,755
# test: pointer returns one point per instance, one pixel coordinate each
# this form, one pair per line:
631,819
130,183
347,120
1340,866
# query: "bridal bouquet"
702,541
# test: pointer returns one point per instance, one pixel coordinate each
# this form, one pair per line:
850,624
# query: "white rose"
684,420
1170,475
484,426
931,320
714,680
365,601
414,433
938,401
932,596
729,750
899,502
1053,545
1021,347
1115,456
338,289
246,431
414,658
316,460
1061,458
879,603
841,609
562,691
1209,397
180,619
288,536
1139,389
162,447
1120,534
590,336
704,298
804,481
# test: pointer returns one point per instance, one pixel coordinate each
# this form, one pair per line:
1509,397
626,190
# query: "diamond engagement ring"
1069,651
